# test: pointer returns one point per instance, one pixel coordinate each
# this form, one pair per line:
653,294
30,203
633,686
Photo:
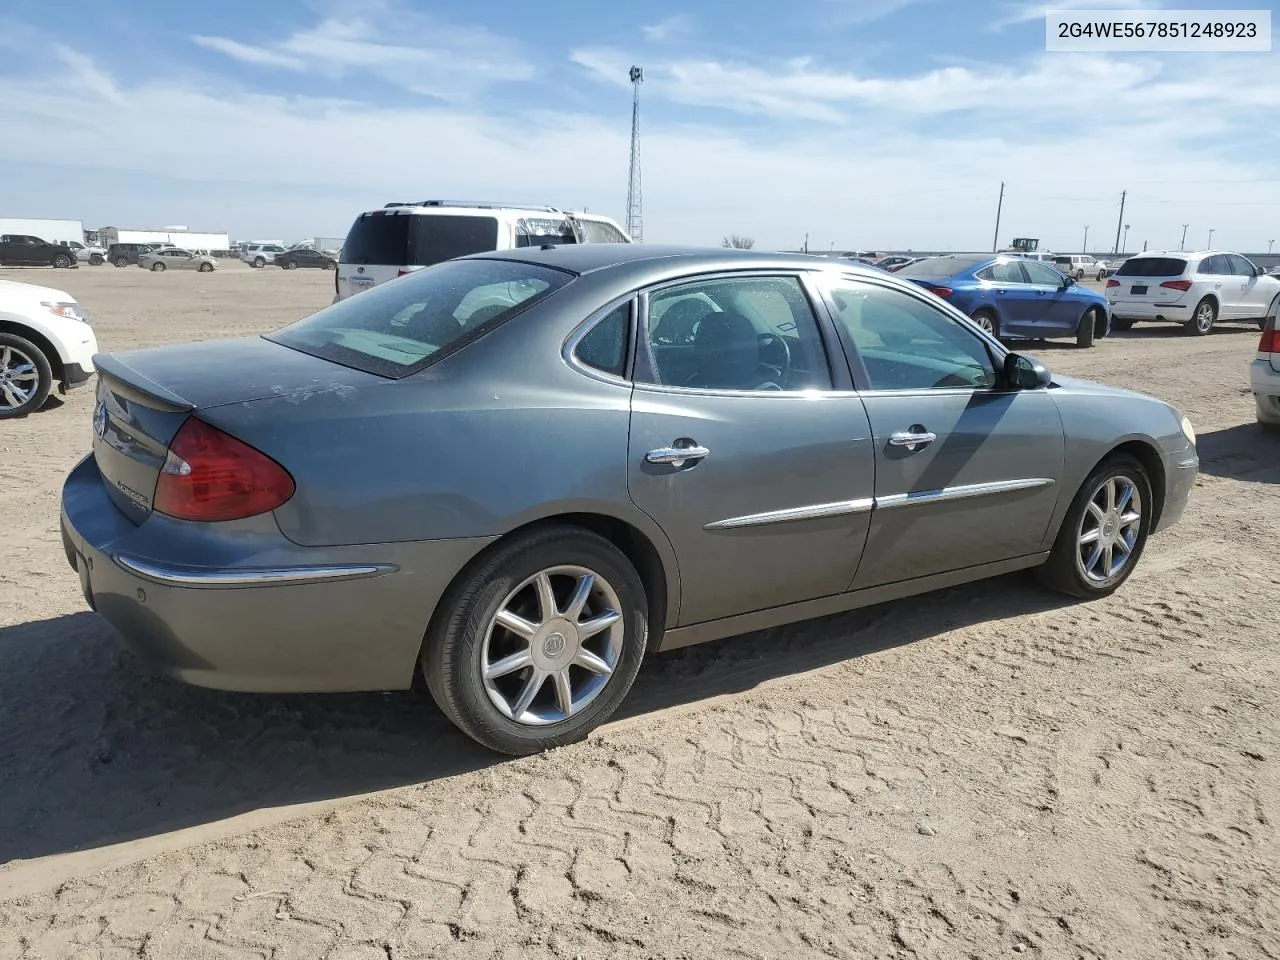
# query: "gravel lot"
984,771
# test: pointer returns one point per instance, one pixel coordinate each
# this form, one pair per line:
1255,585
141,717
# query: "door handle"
677,456
911,439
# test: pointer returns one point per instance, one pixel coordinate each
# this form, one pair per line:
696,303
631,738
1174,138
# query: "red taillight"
1270,342
1180,285
210,475
1113,283
941,291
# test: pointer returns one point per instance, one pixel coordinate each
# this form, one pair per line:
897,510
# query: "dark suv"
123,254
20,250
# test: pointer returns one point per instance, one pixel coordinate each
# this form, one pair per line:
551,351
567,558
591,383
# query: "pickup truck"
20,250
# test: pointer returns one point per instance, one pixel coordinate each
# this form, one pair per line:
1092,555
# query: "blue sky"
862,123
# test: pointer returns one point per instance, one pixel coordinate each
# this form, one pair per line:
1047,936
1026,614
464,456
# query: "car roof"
588,257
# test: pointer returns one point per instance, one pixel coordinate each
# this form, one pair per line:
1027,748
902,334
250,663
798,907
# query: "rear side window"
396,329
1152,267
596,232
417,240
605,346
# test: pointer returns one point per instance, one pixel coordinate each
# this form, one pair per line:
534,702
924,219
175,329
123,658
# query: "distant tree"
735,242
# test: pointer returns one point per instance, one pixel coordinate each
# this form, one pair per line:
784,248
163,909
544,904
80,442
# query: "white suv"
260,254
1080,265
403,237
44,338
1193,289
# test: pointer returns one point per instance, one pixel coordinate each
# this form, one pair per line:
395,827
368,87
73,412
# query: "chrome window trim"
248,576
962,492
793,513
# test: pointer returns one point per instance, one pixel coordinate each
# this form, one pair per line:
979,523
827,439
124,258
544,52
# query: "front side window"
396,329
742,333
906,344
1240,266
1042,275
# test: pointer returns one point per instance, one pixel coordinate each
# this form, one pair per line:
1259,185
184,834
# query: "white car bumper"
1173,312
1266,391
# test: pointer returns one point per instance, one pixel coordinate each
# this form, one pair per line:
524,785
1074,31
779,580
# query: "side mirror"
1067,281
1025,373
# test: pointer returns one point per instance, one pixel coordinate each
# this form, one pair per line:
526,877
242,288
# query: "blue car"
1015,297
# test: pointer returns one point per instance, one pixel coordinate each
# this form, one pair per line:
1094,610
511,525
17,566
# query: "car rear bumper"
1265,380
1139,310
248,609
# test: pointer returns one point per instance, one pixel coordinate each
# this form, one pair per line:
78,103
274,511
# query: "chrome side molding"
963,492
248,576
793,513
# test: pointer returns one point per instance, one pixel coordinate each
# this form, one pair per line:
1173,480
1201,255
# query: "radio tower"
635,220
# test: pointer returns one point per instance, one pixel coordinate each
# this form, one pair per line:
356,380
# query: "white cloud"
88,75
450,62
249,54
1025,11
670,28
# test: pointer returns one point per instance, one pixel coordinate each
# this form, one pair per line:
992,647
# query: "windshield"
935,268
398,328
1152,267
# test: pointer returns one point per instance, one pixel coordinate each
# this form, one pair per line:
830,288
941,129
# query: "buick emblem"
100,419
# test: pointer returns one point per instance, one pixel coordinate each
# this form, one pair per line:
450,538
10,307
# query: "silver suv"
260,254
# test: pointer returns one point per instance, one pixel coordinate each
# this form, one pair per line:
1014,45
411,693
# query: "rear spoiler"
134,386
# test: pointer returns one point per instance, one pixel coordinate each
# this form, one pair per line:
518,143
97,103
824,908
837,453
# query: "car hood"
214,373
33,292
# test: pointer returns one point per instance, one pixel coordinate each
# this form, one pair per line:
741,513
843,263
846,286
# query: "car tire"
1070,569
122,261
157,267
330,265
205,268
987,320
1087,328
96,260
1203,318
16,351
291,265
465,640
1102,275
259,263
62,261
1079,274
1121,323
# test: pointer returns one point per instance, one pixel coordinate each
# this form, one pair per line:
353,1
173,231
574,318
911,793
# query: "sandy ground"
984,771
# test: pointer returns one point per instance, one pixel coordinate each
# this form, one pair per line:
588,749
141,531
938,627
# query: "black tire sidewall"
45,385
1085,332
451,656
157,268
1063,559
995,324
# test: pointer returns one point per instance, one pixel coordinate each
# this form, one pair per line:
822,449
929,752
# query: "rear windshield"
417,240
1152,267
536,231
934,268
397,328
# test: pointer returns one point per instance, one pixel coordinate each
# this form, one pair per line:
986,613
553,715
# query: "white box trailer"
187,239
50,231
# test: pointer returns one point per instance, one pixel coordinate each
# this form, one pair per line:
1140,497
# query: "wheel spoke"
6,357
581,594
1095,511
1111,495
1107,560
530,690
517,661
546,598
589,661
12,396
1090,536
1129,519
1094,556
598,624
1125,546
564,691
516,624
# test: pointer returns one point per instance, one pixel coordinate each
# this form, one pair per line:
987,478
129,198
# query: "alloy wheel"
1109,529
983,320
553,645
19,377
1204,317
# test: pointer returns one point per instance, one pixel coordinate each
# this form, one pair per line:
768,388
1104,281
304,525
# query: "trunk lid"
1139,280
145,396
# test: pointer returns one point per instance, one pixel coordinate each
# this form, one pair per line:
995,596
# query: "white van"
403,237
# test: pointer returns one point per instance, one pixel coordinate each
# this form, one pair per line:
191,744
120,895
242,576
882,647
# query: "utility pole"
1120,221
635,203
1269,243
1183,244
1210,244
995,243
806,243
1085,248
1126,237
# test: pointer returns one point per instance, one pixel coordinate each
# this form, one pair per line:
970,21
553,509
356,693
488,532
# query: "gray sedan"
175,258
520,472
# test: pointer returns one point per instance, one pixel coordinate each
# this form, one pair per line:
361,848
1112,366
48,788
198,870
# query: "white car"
45,338
260,254
175,258
1193,289
1080,265
403,237
96,256
1265,370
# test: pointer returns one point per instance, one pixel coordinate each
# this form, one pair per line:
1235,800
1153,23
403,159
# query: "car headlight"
1188,431
63,308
